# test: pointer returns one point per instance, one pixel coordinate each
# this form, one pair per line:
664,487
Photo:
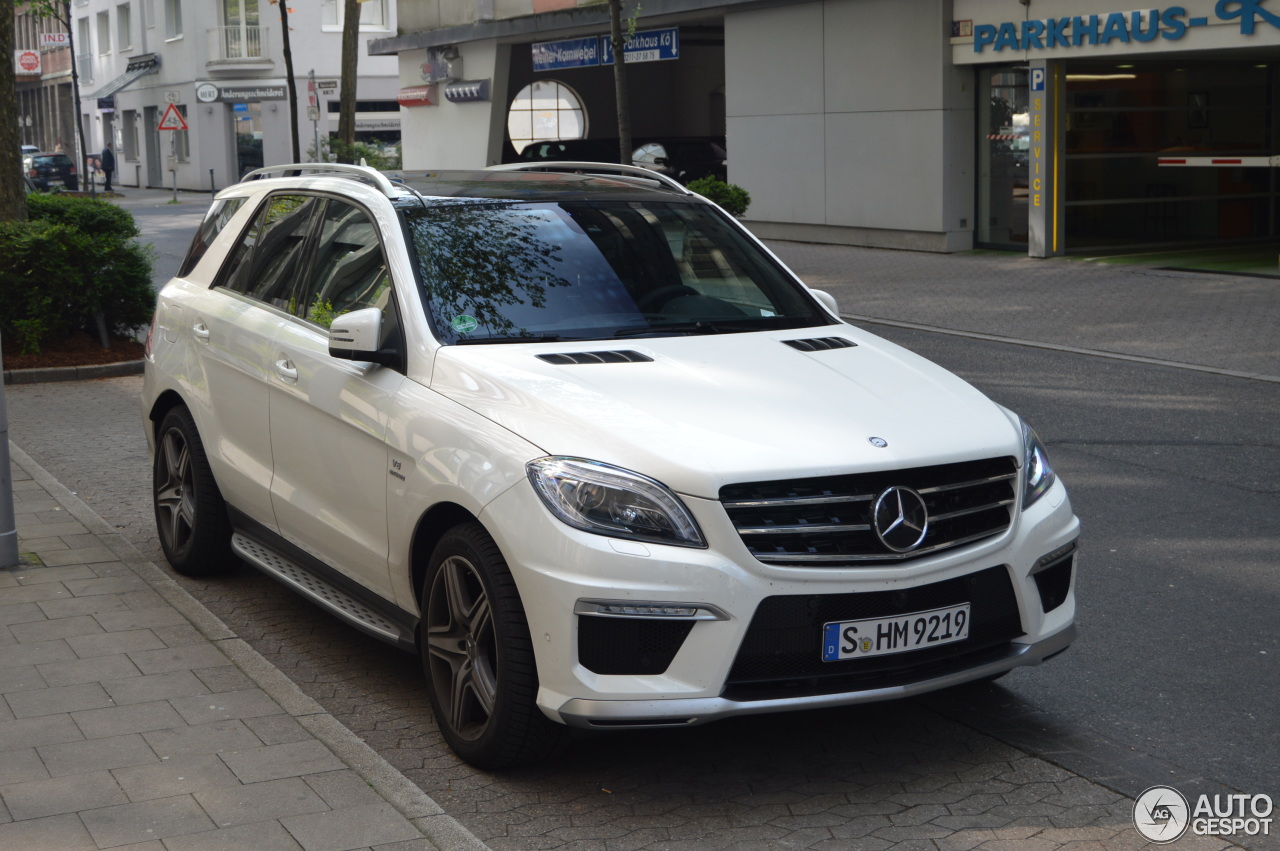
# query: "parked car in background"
28,150
684,159
681,158
49,170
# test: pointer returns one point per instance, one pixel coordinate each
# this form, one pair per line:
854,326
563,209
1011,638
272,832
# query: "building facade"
218,68
1044,125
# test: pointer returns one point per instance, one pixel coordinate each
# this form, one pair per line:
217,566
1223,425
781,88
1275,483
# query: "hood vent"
821,344
566,358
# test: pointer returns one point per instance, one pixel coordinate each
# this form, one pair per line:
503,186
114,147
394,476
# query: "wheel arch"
165,402
432,526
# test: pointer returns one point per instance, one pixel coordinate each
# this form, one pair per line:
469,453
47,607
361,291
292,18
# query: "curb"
439,828
72,373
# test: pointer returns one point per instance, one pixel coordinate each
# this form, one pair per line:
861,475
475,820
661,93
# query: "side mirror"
828,301
355,336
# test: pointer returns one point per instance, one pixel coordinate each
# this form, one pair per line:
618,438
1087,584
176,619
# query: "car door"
233,328
329,416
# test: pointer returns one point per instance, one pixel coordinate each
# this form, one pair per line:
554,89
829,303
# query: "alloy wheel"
462,648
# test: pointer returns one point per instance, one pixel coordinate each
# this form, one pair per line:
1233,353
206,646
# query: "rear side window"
214,221
267,262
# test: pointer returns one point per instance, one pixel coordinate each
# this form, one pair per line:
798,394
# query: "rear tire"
478,658
191,517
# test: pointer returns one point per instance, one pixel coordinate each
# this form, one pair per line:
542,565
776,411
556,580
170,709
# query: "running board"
325,594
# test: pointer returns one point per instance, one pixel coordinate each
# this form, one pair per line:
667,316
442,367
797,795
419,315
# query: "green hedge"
732,197
74,259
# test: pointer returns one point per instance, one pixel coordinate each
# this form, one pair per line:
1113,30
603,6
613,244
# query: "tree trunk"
347,100
13,196
82,155
620,82
293,85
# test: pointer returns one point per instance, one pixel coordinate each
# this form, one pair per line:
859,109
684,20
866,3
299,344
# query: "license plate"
881,636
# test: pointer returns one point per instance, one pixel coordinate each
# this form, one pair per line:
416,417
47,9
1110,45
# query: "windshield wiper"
687,328
532,338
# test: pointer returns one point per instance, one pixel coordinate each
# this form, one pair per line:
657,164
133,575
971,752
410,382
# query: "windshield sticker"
465,324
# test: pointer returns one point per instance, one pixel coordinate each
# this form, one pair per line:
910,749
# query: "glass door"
1004,143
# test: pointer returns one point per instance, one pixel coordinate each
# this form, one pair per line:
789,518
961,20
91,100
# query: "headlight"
1039,476
607,500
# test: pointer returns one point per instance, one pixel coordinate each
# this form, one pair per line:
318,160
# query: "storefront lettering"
1170,24
1037,121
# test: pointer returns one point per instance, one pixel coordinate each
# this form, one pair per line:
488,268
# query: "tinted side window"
214,221
267,262
350,271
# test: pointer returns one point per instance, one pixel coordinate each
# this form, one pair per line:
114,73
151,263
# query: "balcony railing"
238,44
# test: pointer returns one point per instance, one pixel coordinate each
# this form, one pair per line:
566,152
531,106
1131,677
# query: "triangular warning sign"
172,120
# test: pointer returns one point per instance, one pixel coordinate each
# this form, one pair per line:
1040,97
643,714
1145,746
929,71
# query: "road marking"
1054,347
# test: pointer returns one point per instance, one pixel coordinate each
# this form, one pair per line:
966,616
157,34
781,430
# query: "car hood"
708,411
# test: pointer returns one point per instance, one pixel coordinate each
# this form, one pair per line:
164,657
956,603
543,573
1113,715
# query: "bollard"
212,190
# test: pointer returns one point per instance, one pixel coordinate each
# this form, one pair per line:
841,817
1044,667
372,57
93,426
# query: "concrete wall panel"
888,167
774,58
778,159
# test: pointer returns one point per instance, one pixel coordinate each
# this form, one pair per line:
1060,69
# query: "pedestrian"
107,162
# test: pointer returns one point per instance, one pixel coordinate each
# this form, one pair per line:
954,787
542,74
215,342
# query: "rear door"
232,330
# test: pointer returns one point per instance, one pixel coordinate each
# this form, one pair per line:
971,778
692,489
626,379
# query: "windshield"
518,272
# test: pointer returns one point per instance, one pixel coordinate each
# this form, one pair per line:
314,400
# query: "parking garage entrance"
1120,121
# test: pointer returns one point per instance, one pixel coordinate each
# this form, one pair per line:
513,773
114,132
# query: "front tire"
191,517
478,658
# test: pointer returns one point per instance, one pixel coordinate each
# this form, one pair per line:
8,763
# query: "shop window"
545,110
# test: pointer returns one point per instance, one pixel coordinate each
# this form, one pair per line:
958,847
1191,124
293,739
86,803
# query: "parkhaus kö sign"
1169,24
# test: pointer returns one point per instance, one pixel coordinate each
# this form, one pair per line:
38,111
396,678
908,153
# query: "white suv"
575,435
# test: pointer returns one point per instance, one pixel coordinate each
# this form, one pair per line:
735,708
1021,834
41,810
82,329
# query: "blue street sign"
645,46
570,53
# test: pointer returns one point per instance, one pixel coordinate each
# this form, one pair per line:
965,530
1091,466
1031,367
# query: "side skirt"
321,584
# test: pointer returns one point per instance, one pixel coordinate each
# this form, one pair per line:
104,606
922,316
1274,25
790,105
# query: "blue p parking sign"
1037,79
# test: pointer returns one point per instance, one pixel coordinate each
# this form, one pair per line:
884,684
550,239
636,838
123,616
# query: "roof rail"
358,172
632,171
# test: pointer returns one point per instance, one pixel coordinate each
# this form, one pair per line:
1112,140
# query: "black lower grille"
781,652
629,646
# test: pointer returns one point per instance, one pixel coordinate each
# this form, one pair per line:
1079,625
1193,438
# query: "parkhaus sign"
1169,24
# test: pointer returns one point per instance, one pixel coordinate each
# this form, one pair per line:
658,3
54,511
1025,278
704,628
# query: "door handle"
286,370
201,332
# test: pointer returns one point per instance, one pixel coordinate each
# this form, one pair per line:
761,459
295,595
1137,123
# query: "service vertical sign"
1044,202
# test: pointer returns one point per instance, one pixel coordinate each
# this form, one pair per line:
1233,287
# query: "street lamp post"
8,525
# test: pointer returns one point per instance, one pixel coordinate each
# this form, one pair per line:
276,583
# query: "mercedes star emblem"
900,519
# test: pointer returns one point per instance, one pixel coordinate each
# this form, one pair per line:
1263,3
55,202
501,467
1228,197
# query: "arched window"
546,109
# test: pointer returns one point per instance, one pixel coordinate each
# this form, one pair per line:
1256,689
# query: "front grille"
781,653
826,521
632,646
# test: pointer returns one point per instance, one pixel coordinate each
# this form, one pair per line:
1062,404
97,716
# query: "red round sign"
29,60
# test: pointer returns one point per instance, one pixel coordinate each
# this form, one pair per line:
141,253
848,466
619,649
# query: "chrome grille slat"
957,486
814,527
798,500
827,521
937,518
769,557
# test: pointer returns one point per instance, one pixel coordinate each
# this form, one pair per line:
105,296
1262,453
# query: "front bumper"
641,714
557,568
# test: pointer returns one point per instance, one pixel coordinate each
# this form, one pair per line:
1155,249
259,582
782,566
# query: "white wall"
454,135
846,116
